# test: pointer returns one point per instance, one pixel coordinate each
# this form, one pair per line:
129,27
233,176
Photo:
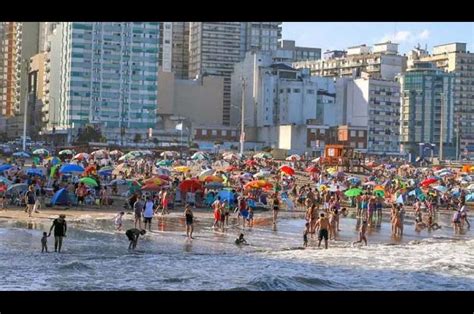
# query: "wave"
289,283
75,266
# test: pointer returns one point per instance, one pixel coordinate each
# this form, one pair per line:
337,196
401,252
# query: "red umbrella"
312,169
90,168
190,185
428,181
288,170
250,162
231,168
152,187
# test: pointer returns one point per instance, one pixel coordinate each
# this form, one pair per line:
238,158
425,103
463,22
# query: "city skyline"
340,35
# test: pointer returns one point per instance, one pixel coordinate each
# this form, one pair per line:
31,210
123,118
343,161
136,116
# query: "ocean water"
95,257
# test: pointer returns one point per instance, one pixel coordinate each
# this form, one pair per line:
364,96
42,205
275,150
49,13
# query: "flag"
400,199
179,127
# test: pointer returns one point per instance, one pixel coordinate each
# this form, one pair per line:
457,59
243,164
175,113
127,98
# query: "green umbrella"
379,193
89,181
164,163
353,192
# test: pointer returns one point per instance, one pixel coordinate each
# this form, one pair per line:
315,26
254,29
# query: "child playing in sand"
118,221
240,240
44,242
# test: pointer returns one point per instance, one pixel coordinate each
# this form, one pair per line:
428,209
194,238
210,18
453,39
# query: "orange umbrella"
90,168
154,180
379,188
231,168
213,179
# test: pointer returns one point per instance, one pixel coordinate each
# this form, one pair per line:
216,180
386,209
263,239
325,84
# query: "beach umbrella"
181,169
66,152
88,181
19,187
231,168
251,162
312,169
190,185
379,188
128,156
231,156
379,193
162,171
353,192
40,151
205,173
372,164
316,160
213,179
100,154
262,174
441,188
470,197
353,180
152,187
369,183
5,181
263,156
81,156
199,156
5,167
288,170
116,153
294,157
71,168
53,160
335,188
90,168
154,180
470,187
105,172
331,170
169,153
428,181
164,163
21,154
35,172
214,185
118,182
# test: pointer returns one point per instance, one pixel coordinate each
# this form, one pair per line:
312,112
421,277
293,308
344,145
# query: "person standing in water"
188,214
60,228
362,232
323,225
44,242
276,207
148,212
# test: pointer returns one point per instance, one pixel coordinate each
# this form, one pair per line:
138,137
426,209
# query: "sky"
340,35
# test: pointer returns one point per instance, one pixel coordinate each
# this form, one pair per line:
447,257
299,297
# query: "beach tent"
61,197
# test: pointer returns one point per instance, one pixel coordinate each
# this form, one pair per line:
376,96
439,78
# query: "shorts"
323,234
147,219
189,223
305,238
138,216
276,208
80,199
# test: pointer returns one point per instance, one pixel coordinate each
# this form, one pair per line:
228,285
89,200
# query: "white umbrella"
316,159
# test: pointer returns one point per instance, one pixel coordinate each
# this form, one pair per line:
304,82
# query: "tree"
89,134
137,138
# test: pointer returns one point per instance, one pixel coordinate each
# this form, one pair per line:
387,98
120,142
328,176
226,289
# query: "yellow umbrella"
322,187
331,170
182,169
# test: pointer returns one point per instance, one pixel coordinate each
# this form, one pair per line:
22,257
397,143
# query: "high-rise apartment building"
104,74
454,58
214,48
174,48
300,53
427,97
381,61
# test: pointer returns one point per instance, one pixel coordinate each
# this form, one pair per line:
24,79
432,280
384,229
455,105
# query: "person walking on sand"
188,214
30,200
148,212
323,225
133,235
276,207
60,227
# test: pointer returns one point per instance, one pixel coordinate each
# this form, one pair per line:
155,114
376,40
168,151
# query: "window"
214,132
233,133
204,132
224,132
353,133
310,91
360,145
361,133
296,90
322,131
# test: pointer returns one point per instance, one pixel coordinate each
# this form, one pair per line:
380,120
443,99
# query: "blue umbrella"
71,168
5,167
34,172
20,187
470,197
441,188
21,154
104,173
5,180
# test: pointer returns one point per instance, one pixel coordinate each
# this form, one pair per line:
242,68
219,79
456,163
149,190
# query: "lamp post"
25,113
242,131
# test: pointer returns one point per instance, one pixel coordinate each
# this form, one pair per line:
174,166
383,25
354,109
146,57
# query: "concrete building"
454,58
36,79
104,74
381,61
300,53
19,42
275,94
427,99
263,36
174,48
198,101
213,137
375,104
